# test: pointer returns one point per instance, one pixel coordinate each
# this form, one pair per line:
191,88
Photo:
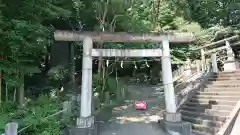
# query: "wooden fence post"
11,128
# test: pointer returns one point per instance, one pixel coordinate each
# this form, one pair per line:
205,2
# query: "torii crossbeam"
177,37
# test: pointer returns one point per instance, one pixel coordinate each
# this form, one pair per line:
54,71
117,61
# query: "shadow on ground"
126,120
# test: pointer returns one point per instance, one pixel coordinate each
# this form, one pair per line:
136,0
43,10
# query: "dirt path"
127,120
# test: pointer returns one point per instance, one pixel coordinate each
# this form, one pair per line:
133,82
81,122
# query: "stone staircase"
208,109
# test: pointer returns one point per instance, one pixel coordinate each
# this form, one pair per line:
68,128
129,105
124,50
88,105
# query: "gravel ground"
127,120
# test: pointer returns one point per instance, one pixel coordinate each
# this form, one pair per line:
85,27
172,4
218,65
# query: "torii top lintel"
123,36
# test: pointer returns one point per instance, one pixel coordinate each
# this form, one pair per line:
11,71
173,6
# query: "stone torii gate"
229,64
88,52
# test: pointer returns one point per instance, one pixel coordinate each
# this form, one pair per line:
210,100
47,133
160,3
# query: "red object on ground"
140,105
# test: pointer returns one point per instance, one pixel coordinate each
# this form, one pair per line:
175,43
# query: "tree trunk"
58,95
0,87
102,28
103,80
6,92
14,95
1,76
117,87
100,63
73,69
21,89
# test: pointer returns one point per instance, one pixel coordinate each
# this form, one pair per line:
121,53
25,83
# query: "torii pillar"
85,123
168,79
171,116
229,64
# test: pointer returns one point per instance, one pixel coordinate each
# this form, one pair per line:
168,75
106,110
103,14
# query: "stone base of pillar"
229,66
172,117
175,126
84,126
83,131
178,128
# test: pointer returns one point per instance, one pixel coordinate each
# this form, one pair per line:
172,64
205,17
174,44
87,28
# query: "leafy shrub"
35,116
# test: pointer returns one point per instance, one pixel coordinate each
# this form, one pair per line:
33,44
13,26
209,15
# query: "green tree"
25,37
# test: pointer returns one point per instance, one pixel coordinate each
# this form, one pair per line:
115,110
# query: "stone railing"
195,84
185,71
188,88
237,63
180,72
226,129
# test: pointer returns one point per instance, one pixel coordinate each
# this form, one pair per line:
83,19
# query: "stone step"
225,78
215,102
226,82
209,106
219,89
219,92
205,129
224,85
216,97
195,132
203,122
207,110
229,72
232,82
202,115
228,75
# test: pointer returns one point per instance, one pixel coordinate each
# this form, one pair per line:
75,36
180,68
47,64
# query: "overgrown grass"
34,117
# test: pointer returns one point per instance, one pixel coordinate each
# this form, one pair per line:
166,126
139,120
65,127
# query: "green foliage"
57,73
35,118
211,12
27,28
25,37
